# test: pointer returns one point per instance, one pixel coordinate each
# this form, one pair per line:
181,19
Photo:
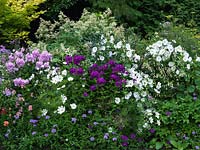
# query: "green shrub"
15,18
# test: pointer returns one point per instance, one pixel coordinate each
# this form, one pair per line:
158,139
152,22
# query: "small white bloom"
70,79
83,85
61,109
177,72
129,83
64,98
117,100
64,63
151,120
103,48
157,91
171,64
129,54
157,115
119,45
110,129
101,58
158,59
145,125
94,49
73,106
128,95
57,79
111,39
198,59
128,47
44,112
136,95
64,72
158,86
158,122
188,66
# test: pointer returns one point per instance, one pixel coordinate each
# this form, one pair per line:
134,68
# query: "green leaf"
159,145
191,88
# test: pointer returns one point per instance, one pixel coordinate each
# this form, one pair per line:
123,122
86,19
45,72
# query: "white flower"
110,129
136,95
171,64
145,125
119,45
111,39
177,72
151,120
57,79
188,66
157,91
117,100
136,58
128,95
101,58
44,112
103,48
129,54
178,49
64,72
31,77
128,47
158,86
158,122
70,79
94,49
198,59
158,58
148,112
83,85
73,106
157,115
129,83
61,109
64,98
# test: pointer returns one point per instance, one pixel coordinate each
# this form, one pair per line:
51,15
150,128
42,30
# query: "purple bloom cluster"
18,59
20,82
107,72
77,59
76,71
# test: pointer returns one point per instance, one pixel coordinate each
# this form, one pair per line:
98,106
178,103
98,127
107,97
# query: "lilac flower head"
20,62
114,139
68,59
6,135
89,111
18,54
95,123
53,130
45,56
84,115
46,134
47,117
7,92
29,58
168,113
39,65
77,59
11,58
197,147
20,82
106,136
72,71
36,53
111,62
33,121
10,67
193,132
101,80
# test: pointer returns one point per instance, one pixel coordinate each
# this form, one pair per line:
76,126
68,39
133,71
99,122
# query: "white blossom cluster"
55,75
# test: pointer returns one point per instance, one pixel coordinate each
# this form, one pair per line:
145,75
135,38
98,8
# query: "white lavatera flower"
158,86
171,64
128,47
188,66
158,59
70,78
117,100
61,109
198,59
129,54
151,120
73,106
101,58
64,72
111,39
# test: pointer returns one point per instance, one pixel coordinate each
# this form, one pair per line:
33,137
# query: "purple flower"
36,53
74,120
39,65
34,132
89,111
94,74
72,71
193,132
68,59
152,130
18,54
111,62
20,82
20,62
124,137
85,94
46,134
125,144
114,139
45,56
168,113
10,67
79,71
7,92
84,115
101,80
106,136
114,77
77,59
11,58
6,135
33,121
133,136
47,117
118,68
95,123
53,130
92,87
29,58
92,138
197,147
